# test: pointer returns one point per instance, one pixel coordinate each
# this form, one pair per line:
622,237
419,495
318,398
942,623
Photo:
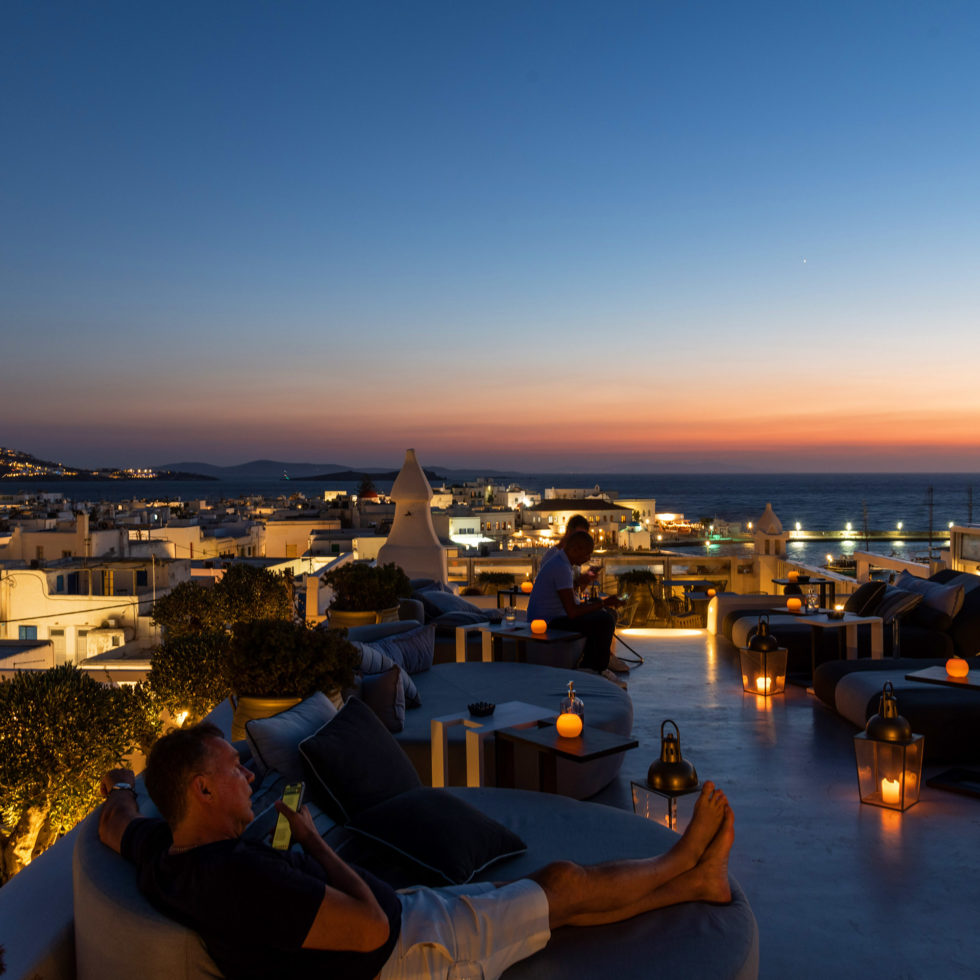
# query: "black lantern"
889,757
668,777
763,671
762,641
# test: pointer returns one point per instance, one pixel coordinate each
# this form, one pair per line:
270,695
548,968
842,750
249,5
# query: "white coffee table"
509,714
849,624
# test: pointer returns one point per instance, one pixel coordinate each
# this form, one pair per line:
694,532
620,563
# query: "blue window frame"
26,632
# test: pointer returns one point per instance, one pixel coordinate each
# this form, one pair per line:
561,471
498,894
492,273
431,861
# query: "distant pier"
829,537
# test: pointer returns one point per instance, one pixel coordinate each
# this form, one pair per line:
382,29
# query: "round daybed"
117,931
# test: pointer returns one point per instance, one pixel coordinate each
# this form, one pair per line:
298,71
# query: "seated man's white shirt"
553,576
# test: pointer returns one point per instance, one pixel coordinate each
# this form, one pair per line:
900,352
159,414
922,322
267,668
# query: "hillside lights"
888,757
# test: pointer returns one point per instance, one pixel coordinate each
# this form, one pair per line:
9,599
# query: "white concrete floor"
839,889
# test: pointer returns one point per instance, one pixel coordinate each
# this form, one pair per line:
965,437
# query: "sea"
818,501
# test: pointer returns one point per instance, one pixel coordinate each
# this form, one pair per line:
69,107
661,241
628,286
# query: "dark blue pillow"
865,600
446,837
353,763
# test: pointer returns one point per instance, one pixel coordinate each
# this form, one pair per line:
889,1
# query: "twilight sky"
663,235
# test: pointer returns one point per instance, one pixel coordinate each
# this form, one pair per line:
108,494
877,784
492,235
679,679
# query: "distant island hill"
17,465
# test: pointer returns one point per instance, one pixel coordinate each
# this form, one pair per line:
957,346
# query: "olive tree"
60,730
188,673
244,593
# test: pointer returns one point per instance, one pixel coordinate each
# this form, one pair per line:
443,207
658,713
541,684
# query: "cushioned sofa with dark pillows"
367,802
395,680
930,618
444,610
948,718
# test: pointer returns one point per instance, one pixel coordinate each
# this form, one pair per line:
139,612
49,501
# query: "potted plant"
273,664
364,594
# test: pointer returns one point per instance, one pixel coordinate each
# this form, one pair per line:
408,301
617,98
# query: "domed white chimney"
412,543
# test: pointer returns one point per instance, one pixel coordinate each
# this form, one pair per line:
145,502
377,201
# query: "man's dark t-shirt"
252,905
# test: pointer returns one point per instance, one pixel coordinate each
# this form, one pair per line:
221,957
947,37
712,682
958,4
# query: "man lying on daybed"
264,912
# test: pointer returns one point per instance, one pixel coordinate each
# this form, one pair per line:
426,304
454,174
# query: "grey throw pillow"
275,741
375,661
412,650
384,694
946,599
864,601
896,603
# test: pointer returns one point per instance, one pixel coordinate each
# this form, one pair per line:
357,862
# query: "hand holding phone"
292,796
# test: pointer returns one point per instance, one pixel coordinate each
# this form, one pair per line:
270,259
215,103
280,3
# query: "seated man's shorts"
494,927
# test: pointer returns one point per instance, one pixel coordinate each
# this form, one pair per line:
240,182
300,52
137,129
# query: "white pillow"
275,741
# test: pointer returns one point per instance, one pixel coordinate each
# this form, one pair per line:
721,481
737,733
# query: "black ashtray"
481,709
802,579
835,614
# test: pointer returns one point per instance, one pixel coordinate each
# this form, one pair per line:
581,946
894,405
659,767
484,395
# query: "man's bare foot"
711,873
709,811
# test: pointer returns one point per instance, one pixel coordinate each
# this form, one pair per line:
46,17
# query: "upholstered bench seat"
948,718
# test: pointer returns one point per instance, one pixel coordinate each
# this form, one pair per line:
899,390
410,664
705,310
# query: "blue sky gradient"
508,234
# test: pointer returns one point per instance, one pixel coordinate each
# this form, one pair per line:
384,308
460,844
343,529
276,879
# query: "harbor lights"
888,757
899,526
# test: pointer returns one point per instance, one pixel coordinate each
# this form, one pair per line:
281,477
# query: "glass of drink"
465,970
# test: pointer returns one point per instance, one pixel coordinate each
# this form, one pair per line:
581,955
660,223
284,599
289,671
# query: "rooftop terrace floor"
839,889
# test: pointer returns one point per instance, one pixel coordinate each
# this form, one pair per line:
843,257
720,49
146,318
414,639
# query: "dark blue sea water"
825,501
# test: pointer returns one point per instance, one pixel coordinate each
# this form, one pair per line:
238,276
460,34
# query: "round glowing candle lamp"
526,586
712,593
539,626
793,576
571,714
793,604
957,667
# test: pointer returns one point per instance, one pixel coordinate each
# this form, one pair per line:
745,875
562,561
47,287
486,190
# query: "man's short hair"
577,522
173,761
580,539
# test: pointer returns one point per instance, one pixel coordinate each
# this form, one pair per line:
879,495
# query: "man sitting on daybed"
263,912
553,600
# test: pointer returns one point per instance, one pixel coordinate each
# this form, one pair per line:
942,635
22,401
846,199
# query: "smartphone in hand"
292,796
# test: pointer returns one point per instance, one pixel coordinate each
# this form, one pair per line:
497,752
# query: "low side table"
819,621
493,637
938,675
509,714
593,743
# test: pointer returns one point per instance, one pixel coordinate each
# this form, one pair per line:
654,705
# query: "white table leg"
487,648
438,739
475,739
877,640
